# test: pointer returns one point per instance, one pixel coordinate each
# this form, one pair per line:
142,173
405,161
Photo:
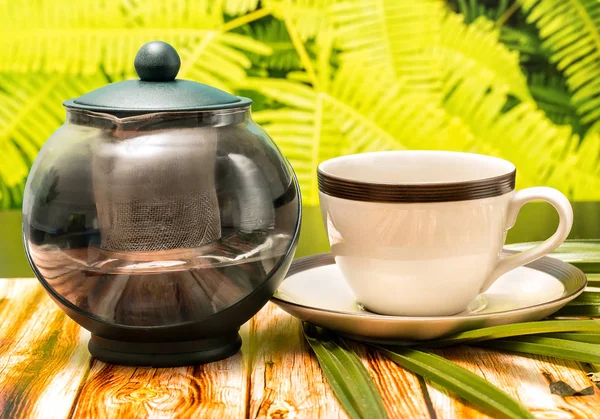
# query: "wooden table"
46,370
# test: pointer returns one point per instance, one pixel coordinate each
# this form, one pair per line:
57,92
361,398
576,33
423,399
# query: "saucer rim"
556,268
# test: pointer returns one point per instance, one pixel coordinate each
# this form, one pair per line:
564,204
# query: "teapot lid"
157,64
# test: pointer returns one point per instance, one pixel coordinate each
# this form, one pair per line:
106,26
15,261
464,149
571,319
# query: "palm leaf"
524,40
570,29
30,111
577,172
239,7
102,35
304,130
544,153
474,53
474,9
357,113
308,16
390,35
560,348
517,329
358,109
552,96
273,33
208,56
393,37
217,59
203,14
346,374
459,380
517,135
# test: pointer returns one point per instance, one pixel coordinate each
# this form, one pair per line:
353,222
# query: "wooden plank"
216,390
288,382
522,377
44,373
403,393
43,354
286,379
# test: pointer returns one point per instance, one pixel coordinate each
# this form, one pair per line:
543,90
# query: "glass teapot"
160,217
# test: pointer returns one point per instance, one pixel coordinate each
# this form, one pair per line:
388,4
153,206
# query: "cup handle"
565,213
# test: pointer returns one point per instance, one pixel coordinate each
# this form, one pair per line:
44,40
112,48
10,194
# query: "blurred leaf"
394,38
30,111
472,10
570,29
580,253
454,59
358,112
239,7
522,40
473,53
94,35
273,33
308,16
453,81
217,60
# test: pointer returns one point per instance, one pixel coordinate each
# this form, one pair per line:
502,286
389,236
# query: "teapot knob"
157,61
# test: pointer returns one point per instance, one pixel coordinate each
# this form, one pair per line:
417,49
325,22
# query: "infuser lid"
157,64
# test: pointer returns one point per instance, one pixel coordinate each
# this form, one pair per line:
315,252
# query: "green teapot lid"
157,64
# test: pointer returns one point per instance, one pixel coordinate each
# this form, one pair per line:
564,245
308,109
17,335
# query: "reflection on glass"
139,224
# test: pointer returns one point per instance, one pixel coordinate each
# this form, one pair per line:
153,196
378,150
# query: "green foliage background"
518,80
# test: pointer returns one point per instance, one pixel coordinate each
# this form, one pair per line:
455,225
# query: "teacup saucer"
315,291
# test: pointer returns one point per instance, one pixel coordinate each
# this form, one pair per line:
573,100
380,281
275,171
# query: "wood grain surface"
43,353
523,378
46,372
286,379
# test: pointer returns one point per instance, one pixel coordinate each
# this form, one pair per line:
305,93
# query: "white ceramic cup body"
426,258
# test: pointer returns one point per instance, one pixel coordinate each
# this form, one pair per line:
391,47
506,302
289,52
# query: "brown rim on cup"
398,191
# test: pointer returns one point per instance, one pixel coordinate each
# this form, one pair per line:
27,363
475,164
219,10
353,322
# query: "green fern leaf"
211,57
30,111
544,153
239,7
475,52
570,29
551,94
392,37
98,35
273,33
202,14
474,9
579,171
308,16
359,112
217,60
107,15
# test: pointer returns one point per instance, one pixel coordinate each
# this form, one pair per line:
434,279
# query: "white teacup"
419,233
